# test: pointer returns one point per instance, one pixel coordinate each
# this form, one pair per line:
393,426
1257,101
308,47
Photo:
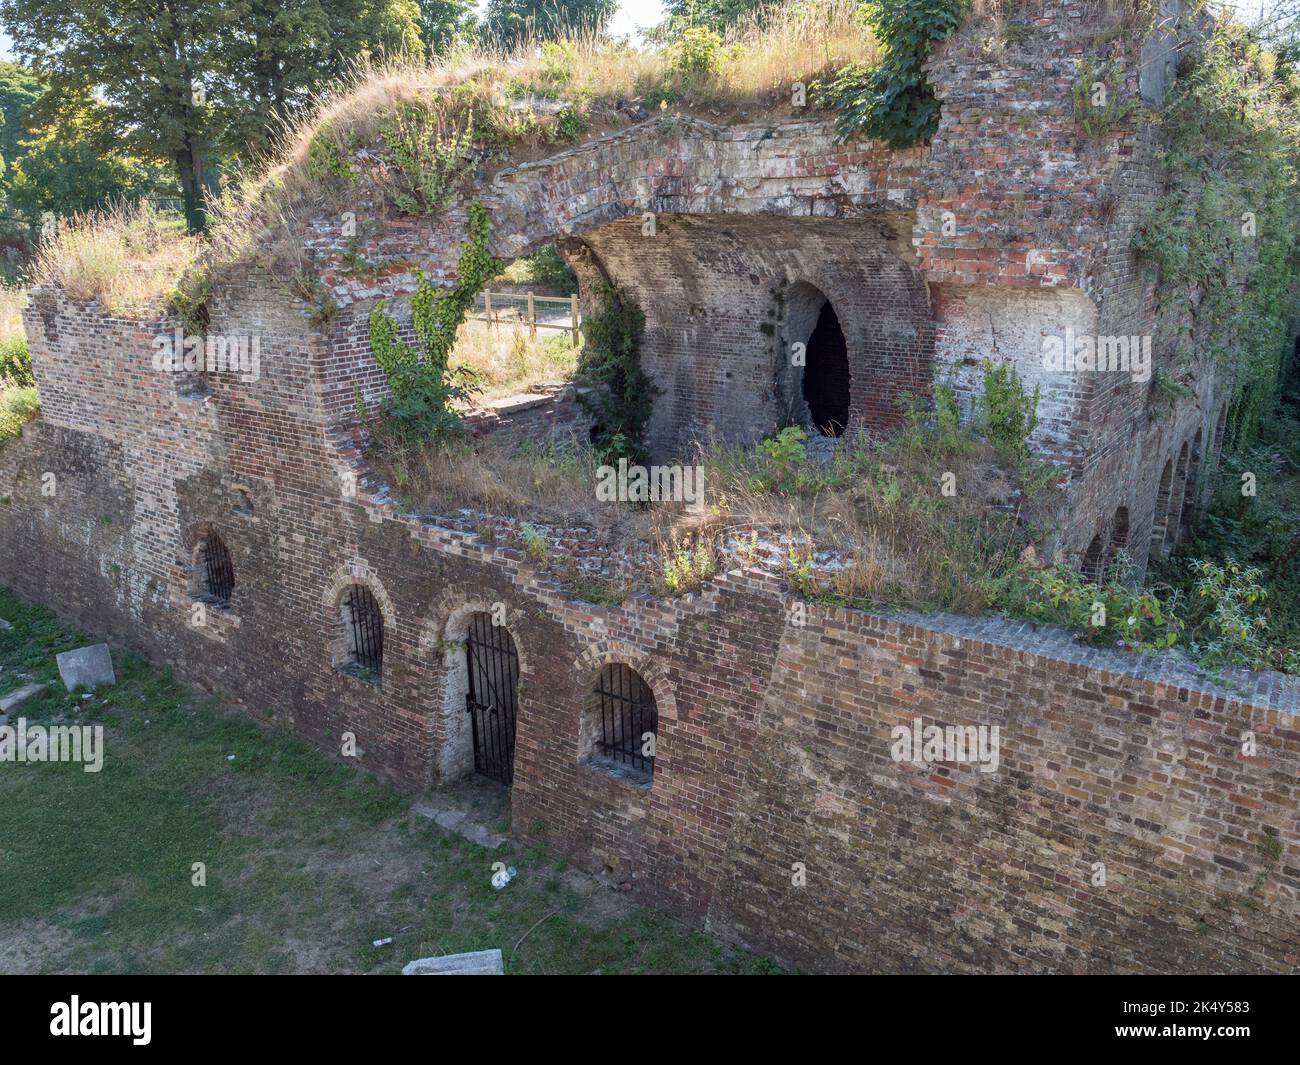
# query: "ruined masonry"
330,611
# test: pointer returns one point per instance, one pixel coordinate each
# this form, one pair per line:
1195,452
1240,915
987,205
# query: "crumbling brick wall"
774,735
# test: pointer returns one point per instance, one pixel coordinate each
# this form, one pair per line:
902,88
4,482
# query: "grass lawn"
307,861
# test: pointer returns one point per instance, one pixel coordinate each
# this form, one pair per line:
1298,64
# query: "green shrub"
325,156
621,396
893,101
571,124
686,569
1231,628
536,546
1100,117
15,362
787,452
546,267
698,52
430,153
1113,613
1008,415
18,406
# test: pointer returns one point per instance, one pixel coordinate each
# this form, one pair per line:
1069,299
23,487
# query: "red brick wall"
773,743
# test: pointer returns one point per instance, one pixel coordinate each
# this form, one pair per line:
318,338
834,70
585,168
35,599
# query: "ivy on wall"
422,382
1224,234
893,101
621,396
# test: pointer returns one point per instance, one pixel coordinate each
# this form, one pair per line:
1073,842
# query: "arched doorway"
815,380
492,700
826,375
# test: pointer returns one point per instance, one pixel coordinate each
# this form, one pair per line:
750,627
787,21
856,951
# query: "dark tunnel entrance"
826,375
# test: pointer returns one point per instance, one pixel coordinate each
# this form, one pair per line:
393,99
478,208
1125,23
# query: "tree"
153,62
510,22
19,89
196,83
443,22
712,14
60,169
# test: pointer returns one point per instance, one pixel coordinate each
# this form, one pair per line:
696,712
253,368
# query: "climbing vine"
429,152
1224,234
621,396
422,382
893,101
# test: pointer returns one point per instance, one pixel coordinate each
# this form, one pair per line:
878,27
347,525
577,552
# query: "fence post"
532,315
487,306
573,317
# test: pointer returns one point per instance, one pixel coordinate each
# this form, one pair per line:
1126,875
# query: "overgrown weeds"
128,258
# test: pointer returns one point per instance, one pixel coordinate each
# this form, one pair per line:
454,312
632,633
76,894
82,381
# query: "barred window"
629,721
216,574
363,633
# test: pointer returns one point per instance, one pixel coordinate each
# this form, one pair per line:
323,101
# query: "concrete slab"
478,963
86,667
15,699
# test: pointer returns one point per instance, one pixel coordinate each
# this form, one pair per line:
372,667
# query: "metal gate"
491,701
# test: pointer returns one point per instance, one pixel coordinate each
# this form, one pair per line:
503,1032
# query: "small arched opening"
1191,491
826,377
1160,517
620,724
816,359
358,644
1094,560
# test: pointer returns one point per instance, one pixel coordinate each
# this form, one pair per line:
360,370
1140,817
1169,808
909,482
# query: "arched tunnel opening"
826,375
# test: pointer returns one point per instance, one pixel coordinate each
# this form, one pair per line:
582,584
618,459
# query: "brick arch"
358,571
196,536
683,167
443,634
587,666
1161,510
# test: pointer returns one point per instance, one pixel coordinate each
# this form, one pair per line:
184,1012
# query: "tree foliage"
195,84
511,22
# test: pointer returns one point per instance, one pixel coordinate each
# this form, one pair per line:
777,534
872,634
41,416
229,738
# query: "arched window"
623,722
1160,518
361,624
1094,560
215,575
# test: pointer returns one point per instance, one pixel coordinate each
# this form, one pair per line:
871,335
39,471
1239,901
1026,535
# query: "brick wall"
774,738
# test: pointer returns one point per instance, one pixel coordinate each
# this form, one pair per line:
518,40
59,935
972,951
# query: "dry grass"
882,511
12,302
495,476
508,360
494,95
128,258
879,510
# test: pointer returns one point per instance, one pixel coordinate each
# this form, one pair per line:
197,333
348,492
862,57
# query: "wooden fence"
537,312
